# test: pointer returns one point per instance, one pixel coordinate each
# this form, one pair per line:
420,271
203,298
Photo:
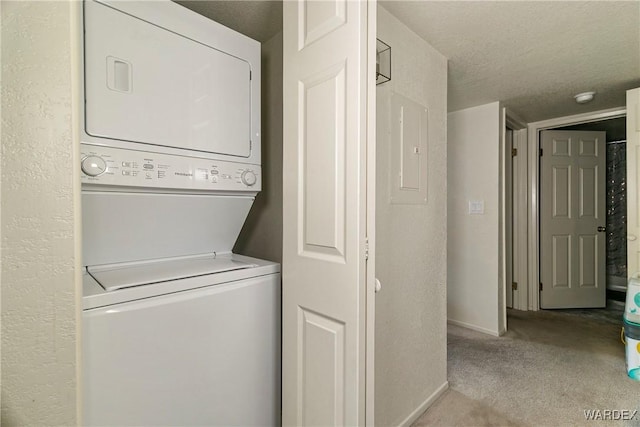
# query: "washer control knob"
248,178
93,165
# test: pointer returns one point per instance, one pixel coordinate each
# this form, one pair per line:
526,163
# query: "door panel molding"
588,252
318,19
322,164
589,202
561,191
321,341
561,260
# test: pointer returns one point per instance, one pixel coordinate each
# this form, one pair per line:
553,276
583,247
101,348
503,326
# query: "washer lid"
128,227
120,276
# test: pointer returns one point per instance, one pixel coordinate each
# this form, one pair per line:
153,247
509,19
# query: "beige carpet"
546,371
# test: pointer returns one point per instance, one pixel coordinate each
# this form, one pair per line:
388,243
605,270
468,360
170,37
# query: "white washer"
173,335
203,349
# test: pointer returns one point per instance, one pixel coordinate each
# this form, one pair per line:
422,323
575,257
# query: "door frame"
508,214
370,291
519,209
533,219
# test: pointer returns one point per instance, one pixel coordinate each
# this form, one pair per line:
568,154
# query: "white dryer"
177,330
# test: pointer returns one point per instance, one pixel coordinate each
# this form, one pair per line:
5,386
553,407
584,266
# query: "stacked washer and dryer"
177,330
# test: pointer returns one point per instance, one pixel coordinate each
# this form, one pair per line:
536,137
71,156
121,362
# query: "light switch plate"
476,207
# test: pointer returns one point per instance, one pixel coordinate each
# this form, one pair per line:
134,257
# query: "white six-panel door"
572,249
633,180
324,260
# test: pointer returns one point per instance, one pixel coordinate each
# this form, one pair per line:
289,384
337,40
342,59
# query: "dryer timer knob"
93,165
248,178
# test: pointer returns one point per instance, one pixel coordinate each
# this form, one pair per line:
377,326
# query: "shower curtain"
616,210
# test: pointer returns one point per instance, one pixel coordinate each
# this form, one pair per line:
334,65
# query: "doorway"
615,204
599,118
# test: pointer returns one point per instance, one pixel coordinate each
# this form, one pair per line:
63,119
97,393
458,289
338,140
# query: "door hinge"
514,286
366,248
541,152
540,286
514,152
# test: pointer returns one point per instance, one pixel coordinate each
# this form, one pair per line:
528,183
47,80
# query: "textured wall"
261,235
473,240
411,341
39,231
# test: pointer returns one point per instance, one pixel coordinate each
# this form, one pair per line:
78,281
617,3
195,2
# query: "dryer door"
146,84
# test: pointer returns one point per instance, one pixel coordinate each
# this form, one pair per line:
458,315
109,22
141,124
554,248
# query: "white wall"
39,228
473,252
261,234
411,341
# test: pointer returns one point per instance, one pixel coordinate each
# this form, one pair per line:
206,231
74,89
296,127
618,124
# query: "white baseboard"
473,327
424,405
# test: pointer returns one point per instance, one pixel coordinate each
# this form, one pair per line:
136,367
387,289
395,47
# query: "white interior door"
572,219
633,178
326,80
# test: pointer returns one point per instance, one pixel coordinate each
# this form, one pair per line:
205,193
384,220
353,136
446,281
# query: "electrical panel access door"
146,84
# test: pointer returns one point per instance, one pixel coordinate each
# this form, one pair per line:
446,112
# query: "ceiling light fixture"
584,97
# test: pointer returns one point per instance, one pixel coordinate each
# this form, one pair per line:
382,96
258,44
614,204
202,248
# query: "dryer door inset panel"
146,84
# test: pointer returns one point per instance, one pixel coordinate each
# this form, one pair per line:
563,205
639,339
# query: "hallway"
547,369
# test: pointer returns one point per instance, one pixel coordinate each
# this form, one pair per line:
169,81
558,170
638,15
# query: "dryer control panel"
120,167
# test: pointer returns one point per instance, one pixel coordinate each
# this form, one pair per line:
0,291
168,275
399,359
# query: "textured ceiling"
531,55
